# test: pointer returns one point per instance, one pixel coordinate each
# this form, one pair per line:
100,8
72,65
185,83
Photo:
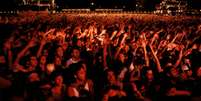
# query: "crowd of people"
100,57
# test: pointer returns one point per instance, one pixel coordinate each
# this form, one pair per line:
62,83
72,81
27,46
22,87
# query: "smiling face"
189,73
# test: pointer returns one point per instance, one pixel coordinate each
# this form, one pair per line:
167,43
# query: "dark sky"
101,3
106,3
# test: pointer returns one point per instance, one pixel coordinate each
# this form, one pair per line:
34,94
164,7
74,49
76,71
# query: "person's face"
199,72
184,76
65,46
111,76
149,75
81,74
79,43
126,48
121,57
43,60
57,61
187,61
33,61
60,52
174,72
34,77
59,80
76,53
2,59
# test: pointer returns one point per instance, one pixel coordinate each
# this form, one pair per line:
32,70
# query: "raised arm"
121,46
105,53
180,56
21,54
7,49
145,53
42,43
156,59
155,36
121,30
118,51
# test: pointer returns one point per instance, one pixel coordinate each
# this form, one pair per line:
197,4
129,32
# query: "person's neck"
59,85
75,59
79,82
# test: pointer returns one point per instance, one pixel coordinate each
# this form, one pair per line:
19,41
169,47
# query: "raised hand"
144,43
121,45
181,47
32,42
112,93
124,38
43,42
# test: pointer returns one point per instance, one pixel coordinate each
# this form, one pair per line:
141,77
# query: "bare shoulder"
70,91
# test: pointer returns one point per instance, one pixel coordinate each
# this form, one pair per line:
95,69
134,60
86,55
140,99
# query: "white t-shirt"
71,61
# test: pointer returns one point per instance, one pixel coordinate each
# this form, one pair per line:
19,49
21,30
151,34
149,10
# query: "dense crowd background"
99,57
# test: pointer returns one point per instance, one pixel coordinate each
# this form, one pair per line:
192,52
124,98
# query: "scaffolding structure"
172,7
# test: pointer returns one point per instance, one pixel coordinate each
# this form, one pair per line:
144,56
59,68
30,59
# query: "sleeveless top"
77,91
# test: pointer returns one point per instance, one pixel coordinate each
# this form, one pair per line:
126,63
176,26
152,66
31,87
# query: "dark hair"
75,67
168,69
106,73
75,47
55,74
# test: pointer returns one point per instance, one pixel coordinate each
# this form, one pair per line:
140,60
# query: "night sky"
148,4
106,3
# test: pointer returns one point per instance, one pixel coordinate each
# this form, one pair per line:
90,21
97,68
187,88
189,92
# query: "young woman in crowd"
81,89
